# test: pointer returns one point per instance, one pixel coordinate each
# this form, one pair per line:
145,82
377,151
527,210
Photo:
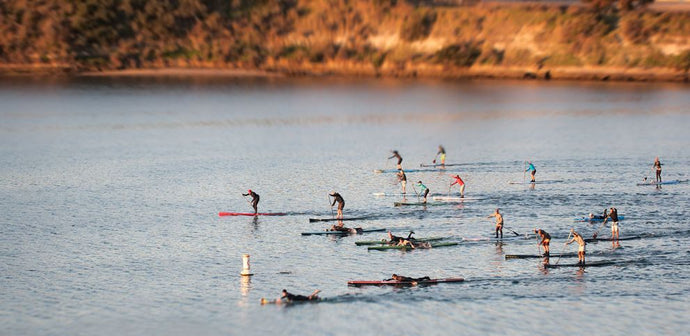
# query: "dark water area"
110,190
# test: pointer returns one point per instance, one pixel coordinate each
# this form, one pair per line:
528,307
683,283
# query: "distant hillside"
372,38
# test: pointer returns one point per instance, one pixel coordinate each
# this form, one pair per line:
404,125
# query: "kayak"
587,219
402,283
401,247
251,214
589,240
662,183
589,264
349,231
385,241
331,219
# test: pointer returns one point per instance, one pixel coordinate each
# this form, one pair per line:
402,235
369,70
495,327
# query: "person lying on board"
397,155
401,278
255,200
394,240
339,227
581,250
545,240
593,216
286,297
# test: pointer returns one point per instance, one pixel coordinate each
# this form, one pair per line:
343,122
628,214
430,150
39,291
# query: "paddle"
563,250
248,202
515,233
536,236
415,191
331,204
524,171
594,236
449,185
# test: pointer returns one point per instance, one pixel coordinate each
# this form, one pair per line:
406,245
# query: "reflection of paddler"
397,155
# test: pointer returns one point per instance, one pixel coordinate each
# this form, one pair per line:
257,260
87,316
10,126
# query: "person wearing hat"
580,241
255,200
423,190
499,222
341,203
460,183
397,155
545,239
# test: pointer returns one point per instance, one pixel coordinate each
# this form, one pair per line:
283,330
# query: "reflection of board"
400,247
589,264
654,183
344,232
402,283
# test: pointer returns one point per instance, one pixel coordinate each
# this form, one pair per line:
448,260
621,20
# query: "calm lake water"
110,191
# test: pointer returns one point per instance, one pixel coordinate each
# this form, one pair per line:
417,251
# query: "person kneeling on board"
401,278
545,240
581,250
255,200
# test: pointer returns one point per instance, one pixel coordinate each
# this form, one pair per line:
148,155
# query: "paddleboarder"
402,178
397,155
255,200
442,152
657,168
545,240
341,203
531,169
581,250
593,216
423,190
613,215
499,222
460,183
289,297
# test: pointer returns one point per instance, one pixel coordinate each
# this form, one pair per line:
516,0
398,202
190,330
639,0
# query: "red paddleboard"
251,214
401,283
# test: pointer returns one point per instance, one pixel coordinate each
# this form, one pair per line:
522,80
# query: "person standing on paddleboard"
613,215
255,200
341,203
545,240
532,170
657,168
581,250
460,183
423,190
397,155
442,152
402,178
499,222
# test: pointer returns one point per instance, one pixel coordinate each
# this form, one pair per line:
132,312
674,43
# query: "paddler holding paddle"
499,222
442,152
581,250
613,215
531,169
341,203
545,240
657,168
255,200
423,190
402,178
397,155
460,183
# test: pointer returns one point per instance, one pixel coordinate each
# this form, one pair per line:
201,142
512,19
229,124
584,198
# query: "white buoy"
245,265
